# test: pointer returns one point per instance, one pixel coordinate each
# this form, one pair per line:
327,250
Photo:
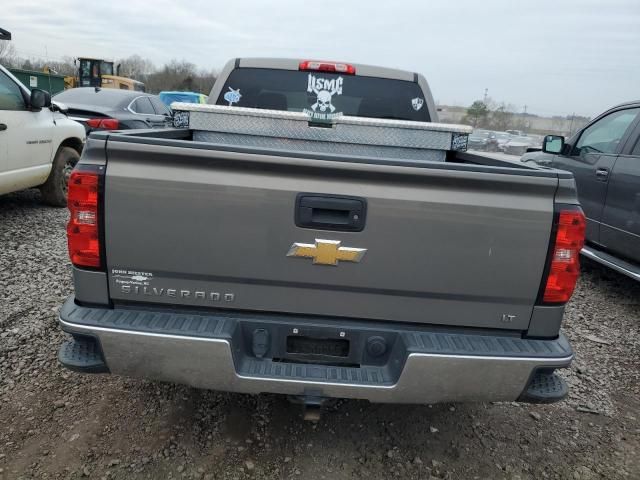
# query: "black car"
111,109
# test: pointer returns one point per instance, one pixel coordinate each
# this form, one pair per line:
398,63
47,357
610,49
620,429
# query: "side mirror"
553,144
39,99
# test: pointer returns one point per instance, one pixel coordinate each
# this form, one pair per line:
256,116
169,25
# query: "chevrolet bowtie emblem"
326,252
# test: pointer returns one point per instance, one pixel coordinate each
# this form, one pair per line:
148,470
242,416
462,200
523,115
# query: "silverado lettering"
181,293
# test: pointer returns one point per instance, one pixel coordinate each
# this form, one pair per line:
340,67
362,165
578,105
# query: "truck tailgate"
204,227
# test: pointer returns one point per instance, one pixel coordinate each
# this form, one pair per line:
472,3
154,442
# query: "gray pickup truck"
320,235
604,158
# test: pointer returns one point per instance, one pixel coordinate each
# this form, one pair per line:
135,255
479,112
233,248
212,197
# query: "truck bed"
455,243
454,160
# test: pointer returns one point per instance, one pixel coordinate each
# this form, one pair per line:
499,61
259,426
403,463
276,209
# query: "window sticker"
232,96
324,89
417,103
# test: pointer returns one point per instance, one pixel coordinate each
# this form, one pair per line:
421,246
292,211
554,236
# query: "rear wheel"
54,190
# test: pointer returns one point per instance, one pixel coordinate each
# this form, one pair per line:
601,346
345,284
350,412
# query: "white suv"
39,145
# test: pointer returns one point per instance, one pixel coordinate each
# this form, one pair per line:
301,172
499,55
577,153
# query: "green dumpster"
46,81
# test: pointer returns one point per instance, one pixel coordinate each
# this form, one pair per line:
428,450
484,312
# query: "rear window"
104,97
324,95
143,105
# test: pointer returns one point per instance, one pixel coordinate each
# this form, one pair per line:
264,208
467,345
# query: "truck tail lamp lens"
320,66
104,123
564,267
83,229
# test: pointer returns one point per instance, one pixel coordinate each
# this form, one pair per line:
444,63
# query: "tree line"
490,115
174,75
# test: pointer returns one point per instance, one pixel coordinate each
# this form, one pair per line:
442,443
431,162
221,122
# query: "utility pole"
486,94
571,125
524,125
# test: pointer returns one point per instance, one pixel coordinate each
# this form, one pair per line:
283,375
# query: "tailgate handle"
330,212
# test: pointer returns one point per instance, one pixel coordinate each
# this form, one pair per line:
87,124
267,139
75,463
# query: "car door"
591,160
25,138
620,230
143,107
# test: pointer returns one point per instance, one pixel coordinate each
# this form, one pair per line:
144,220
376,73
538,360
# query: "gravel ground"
57,424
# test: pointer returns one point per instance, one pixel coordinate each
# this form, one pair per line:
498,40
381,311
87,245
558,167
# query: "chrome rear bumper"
416,373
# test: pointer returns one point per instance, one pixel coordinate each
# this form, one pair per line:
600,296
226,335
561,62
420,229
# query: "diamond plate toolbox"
345,134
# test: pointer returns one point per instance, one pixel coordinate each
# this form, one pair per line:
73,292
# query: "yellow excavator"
94,72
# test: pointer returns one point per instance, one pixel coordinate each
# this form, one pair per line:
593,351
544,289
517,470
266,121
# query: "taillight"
327,67
104,123
564,261
83,229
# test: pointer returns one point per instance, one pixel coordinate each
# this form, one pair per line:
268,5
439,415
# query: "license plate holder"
317,347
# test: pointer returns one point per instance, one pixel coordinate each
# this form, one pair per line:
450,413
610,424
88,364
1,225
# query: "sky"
555,57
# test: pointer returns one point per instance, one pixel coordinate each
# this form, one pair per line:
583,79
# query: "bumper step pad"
215,350
82,354
545,388
369,375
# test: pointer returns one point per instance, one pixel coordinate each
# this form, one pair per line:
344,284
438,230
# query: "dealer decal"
131,277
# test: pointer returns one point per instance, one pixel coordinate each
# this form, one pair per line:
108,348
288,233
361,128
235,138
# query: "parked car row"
480,140
511,142
520,144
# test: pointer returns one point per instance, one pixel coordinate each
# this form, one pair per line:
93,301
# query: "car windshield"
324,94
